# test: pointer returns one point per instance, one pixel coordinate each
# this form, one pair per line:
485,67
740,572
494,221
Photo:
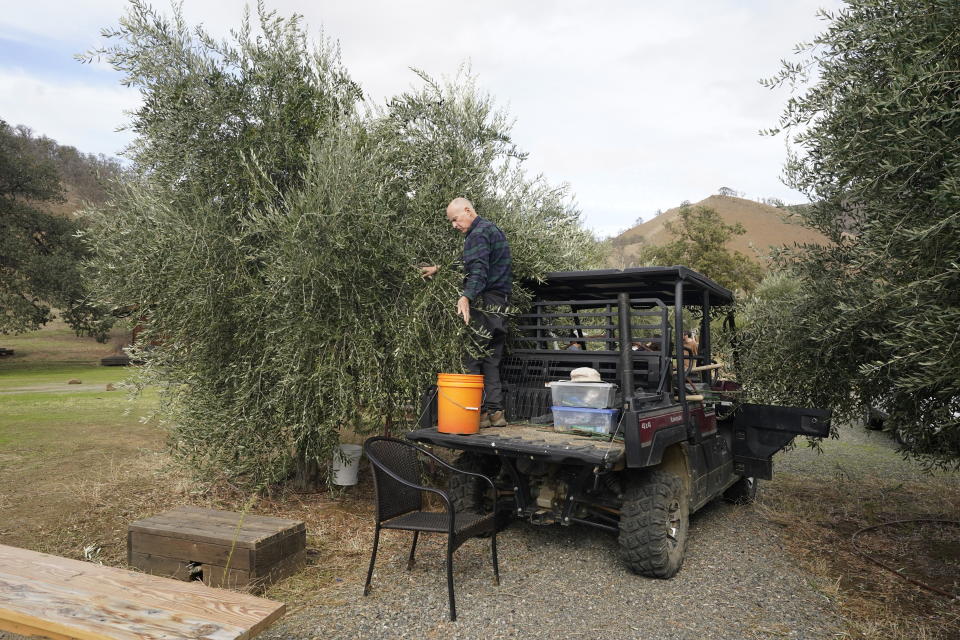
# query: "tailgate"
760,430
529,441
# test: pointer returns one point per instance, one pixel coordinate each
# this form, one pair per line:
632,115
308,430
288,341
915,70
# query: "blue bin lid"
587,409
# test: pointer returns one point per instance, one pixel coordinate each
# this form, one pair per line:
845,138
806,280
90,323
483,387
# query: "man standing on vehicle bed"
487,284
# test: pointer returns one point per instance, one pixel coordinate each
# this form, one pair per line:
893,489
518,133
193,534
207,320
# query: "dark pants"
489,366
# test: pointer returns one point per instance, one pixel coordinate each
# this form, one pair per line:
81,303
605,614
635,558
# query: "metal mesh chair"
399,505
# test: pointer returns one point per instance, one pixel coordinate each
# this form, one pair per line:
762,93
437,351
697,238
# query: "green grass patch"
22,376
35,423
44,417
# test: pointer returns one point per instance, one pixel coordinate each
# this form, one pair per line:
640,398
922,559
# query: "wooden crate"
223,548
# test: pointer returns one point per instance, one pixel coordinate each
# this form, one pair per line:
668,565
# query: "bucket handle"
454,402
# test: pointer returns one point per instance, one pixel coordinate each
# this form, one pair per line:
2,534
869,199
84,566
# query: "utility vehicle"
680,438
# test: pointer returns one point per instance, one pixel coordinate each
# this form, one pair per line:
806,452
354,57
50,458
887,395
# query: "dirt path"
61,388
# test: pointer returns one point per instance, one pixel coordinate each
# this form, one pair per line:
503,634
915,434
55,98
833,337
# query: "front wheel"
654,521
743,491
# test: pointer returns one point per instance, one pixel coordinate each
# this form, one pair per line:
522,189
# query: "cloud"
82,116
638,105
77,21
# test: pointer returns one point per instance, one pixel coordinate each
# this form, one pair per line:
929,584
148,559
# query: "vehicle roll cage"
625,312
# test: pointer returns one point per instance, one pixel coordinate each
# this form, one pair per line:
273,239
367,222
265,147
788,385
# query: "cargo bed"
539,442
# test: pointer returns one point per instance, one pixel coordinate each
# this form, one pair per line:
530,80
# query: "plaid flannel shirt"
486,260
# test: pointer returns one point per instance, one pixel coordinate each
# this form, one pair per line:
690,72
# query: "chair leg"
493,552
453,604
373,559
413,549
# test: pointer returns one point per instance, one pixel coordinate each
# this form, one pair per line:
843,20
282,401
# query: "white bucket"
346,464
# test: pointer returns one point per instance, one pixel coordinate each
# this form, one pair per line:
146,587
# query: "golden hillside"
766,227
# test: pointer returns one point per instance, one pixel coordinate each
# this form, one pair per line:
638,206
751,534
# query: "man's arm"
463,309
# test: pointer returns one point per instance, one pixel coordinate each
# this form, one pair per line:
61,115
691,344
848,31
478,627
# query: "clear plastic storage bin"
584,419
596,395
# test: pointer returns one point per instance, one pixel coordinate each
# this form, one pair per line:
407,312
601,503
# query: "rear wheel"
472,494
654,521
743,491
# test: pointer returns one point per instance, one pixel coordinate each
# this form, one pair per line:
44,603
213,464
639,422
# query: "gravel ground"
737,582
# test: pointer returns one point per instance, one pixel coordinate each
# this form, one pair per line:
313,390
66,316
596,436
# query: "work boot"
497,419
492,419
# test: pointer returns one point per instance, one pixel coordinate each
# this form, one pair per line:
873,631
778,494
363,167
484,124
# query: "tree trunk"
307,477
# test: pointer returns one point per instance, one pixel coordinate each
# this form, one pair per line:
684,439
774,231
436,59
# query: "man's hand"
429,272
463,309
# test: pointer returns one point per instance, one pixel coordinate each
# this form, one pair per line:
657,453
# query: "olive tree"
872,317
279,280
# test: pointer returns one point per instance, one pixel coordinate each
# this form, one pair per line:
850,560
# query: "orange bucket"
458,402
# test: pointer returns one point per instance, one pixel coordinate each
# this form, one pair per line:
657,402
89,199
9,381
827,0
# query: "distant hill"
766,226
83,176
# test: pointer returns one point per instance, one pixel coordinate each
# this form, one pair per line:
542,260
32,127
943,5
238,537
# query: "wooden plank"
170,522
209,533
262,558
190,550
252,522
235,578
63,613
210,525
103,602
160,566
266,521
285,568
224,578
247,531
29,631
249,527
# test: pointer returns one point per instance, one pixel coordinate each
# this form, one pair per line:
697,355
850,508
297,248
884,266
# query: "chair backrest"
393,498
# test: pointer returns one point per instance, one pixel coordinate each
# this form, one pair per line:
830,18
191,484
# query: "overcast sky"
637,105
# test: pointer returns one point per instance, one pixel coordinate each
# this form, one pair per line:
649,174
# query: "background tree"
276,256
616,250
39,251
700,238
877,311
218,114
773,202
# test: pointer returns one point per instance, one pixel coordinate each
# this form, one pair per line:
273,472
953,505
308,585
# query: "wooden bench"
58,598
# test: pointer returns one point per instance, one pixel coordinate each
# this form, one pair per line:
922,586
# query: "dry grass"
57,342
78,465
820,514
87,518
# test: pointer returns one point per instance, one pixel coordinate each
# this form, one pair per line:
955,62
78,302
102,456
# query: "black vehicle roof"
639,282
